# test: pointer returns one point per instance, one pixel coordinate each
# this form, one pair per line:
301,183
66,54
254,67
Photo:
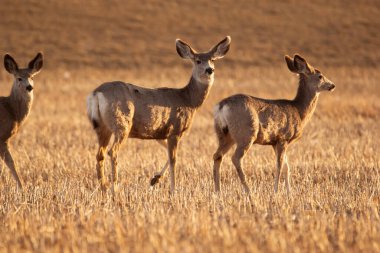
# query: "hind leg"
244,137
119,121
104,137
237,158
120,136
225,143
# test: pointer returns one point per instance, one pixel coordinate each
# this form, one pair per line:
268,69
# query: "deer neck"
305,100
197,92
20,104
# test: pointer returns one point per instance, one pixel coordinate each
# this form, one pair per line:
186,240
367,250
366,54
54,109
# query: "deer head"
23,78
203,63
315,80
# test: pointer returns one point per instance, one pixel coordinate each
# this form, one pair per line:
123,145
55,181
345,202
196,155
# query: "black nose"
29,88
209,71
332,87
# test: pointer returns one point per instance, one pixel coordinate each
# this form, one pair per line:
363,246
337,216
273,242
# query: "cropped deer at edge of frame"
126,110
245,120
15,108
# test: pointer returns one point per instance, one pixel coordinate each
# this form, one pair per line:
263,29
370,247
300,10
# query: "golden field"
335,202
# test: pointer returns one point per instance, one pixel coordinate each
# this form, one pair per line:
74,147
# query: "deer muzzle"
209,71
29,88
331,87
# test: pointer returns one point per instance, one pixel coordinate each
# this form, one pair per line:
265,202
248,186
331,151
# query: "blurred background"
140,34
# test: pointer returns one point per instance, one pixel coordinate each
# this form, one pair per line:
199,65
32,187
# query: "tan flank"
164,114
247,120
15,108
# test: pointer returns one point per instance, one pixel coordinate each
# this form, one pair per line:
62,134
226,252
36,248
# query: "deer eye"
320,77
19,79
198,61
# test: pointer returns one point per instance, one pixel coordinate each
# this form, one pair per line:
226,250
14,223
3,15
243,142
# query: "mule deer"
126,110
15,108
247,120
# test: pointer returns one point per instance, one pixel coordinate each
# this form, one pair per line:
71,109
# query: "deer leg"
237,158
154,180
103,139
172,154
120,136
287,174
5,154
225,143
280,149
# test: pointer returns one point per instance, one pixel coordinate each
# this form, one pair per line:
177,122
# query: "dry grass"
335,171
335,204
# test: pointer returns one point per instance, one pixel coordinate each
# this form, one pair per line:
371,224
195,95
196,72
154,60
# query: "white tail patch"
103,104
97,106
93,107
221,115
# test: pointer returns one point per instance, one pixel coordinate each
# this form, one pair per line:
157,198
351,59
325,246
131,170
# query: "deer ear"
10,64
290,63
301,65
36,64
221,49
184,50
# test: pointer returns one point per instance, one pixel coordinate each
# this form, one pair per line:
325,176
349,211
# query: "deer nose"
332,87
29,88
209,71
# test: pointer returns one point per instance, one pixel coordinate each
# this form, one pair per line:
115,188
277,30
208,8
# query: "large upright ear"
290,63
301,65
184,50
221,49
10,64
36,64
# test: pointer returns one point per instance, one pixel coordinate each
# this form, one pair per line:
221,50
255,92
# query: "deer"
125,110
15,108
245,120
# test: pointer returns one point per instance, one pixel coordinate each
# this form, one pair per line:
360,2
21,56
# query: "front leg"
154,180
172,154
287,175
280,150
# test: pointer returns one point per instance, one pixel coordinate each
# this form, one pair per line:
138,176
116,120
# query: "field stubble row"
335,173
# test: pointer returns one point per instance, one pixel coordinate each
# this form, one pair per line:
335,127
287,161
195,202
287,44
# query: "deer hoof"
154,180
